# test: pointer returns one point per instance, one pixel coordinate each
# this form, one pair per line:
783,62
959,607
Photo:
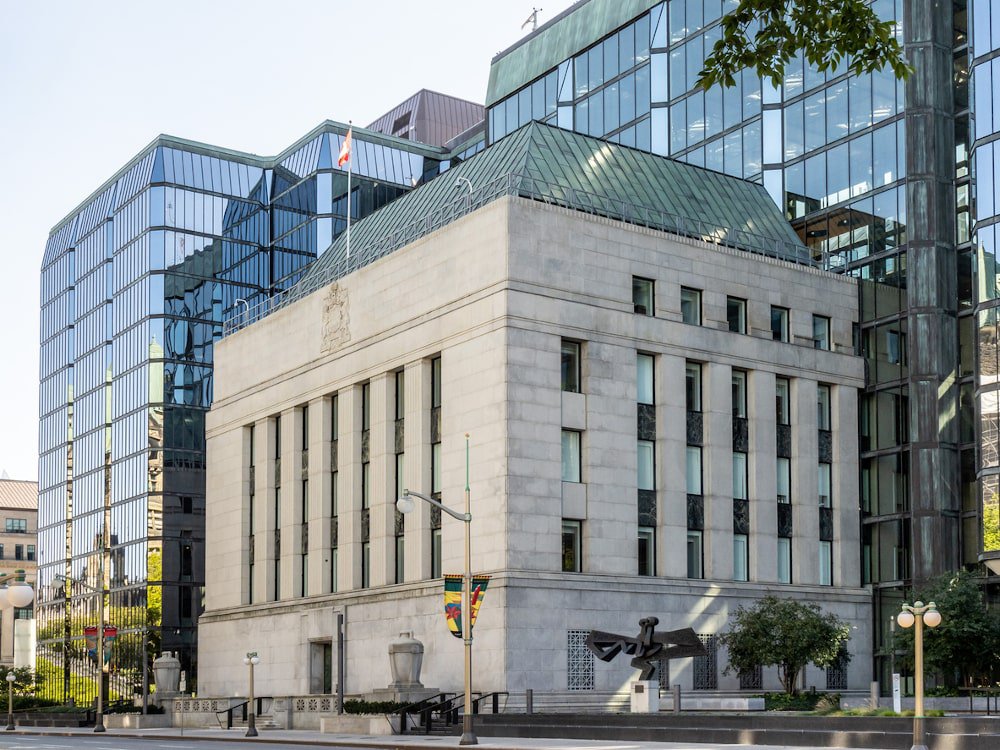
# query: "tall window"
571,456
334,528
736,314
784,480
276,572
691,306
435,553
779,323
642,295
398,439
251,502
571,366
644,378
823,420
825,500
821,332
694,555
741,557
647,551
436,383
571,533
781,401
784,560
825,563
304,509
646,465
739,394
739,476
436,477
694,470
366,564
692,385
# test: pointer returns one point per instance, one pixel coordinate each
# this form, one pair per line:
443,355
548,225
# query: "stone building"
18,540
661,396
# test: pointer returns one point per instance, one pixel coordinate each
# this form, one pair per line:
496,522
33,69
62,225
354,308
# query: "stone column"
805,481
291,503
671,457
762,477
844,480
717,469
320,494
417,469
266,438
349,500
381,455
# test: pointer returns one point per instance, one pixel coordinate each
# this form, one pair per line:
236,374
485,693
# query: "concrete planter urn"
406,655
167,673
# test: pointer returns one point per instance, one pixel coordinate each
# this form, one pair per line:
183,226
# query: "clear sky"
85,85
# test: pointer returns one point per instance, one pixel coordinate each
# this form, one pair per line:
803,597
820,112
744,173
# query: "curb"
336,740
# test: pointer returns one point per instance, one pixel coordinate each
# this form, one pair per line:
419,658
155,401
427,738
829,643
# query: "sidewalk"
389,742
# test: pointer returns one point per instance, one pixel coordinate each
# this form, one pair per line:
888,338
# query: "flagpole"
349,167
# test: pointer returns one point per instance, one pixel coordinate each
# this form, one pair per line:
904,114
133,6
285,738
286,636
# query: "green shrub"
786,702
371,707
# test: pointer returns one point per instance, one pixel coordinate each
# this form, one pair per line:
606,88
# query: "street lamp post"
405,505
10,701
251,660
919,614
100,590
99,721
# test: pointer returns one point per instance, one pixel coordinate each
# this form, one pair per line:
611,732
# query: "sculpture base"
645,696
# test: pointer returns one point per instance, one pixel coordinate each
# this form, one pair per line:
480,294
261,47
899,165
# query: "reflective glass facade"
135,285
834,151
986,159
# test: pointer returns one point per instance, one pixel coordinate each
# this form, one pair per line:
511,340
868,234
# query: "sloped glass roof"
559,167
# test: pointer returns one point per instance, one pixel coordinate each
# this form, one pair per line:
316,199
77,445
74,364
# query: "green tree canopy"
965,647
786,634
765,35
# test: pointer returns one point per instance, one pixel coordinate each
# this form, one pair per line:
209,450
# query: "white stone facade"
494,295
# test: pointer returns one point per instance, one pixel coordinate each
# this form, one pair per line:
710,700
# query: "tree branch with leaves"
765,35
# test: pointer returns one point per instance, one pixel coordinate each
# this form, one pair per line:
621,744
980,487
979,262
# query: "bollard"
529,701
874,695
676,693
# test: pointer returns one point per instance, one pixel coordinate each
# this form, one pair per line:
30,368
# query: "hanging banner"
453,601
110,634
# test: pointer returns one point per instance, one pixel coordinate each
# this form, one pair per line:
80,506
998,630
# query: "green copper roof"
556,166
578,27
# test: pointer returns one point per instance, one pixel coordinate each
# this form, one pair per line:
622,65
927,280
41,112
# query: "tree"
765,35
786,634
965,647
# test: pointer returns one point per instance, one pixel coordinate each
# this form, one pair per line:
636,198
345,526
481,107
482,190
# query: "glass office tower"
874,174
135,285
986,105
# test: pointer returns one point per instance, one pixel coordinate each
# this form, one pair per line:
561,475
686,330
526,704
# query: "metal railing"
444,711
533,189
227,713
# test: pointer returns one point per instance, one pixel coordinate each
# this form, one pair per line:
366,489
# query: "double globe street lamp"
251,660
919,614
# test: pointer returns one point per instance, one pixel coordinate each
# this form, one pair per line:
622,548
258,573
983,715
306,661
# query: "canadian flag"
345,150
